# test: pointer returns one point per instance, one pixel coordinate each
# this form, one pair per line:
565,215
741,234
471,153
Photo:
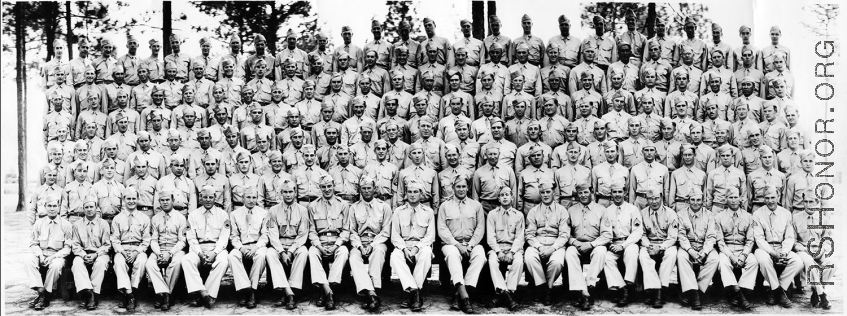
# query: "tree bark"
20,67
50,24
651,20
167,28
492,10
69,34
478,15
273,27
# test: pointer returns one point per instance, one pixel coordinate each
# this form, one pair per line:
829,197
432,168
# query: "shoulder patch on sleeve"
607,222
226,224
637,222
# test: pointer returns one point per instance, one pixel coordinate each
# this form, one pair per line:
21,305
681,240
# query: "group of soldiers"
672,155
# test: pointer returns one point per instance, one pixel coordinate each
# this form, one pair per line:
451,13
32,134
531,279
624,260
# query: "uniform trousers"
514,271
748,272
554,265
54,271
368,276
652,278
630,259
640,202
766,266
316,269
257,266
687,279
122,269
412,279
83,280
191,266
165,282
817,275
453,258
576,281
296,264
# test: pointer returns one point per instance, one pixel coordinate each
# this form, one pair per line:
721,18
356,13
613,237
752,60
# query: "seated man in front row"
208,235
50,244
547,232
412,233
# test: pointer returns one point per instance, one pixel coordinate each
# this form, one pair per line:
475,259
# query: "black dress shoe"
282,298
409,300
824,303
624,298
771,300
243,300
695,302
83,302
321,301
45,301
466,306
650,297
509,302
584,304
684,298
166,302
417,302
376,303
40,302
742,302
454,303
330,302
131,304
197,302
658,302
547,298
122,302
815,299
783,299
159,302
367,302
251,299
91,303
208,301
290,303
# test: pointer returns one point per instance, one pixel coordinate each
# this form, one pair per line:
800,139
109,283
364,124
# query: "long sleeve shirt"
51,235
590,223
369,222
208,226
627,224
660,226
461,222
548,225
168,232
91,236
506,230
288,226
412,226
130,227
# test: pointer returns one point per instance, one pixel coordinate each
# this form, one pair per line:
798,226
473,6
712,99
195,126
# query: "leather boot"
650,296
160,300
824,303
251,299
417,301
122,302
663,295
166,302
92,301
330,302
243,300
685,298
695,300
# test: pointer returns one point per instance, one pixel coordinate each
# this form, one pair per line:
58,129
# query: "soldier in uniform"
760,179
505,232
627,231
685,180
646,174
661,225
570,174
288,227
547,233
531,179
207,232
369,225
721,179
734,236
696,247
383,173
605,174
817,258
591,230
184,192
488,179
461,226
306,178
217,180
775,238
50,242
145,186
412,233
167,244
327,234
421,173
74,194
108,191
249,243
37,206
606,45
130,239
91,245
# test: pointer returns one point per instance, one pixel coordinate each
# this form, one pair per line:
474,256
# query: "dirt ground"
437,300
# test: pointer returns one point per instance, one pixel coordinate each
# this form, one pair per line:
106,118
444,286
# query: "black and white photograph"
355,157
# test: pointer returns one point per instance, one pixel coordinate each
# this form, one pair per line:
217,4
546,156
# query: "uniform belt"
641,195
307,199
237,204
107,216
723,205
144,208
384,197
681,199
78,214
167,245
349,197
208,242
102,81
269,204
130,243
180,208
328,234
249,243
600,196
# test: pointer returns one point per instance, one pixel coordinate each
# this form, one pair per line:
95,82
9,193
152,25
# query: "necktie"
207,217
90,234
770,221
735,222
249,219
655,220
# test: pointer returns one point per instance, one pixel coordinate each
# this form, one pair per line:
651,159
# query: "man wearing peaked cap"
696,247
443,48
50,245
535,45
208,231
698,48
130,239
413,246
775,238
661,226
462,237
355,54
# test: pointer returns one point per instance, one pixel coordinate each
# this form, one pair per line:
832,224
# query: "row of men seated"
636,162
549,239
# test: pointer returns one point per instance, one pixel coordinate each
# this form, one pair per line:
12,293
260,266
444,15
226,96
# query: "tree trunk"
651,20
478,15
69,34
50,25
167,28
492,10
273,27
20,67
